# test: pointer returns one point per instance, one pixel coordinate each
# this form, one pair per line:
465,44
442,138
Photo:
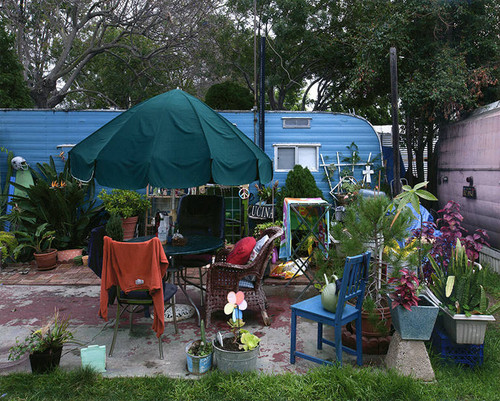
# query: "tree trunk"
419,154
410,132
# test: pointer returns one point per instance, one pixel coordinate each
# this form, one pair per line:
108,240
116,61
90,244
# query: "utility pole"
255,119
395,121
262,106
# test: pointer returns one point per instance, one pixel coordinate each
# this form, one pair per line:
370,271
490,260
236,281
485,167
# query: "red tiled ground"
69,274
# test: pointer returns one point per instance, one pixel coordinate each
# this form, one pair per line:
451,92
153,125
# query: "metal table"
196,245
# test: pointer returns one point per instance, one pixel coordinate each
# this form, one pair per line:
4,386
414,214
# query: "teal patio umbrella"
172,140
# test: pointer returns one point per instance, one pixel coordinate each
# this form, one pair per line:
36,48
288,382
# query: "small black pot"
45,361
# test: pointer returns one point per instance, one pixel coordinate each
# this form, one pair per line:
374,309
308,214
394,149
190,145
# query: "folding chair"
137,269
199,215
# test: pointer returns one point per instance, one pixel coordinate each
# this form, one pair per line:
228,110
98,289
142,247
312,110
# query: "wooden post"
395,121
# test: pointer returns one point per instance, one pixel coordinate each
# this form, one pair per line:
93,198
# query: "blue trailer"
318,140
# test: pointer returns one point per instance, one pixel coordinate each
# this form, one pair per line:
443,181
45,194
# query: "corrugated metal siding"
490,257
471,148
334,132
35,134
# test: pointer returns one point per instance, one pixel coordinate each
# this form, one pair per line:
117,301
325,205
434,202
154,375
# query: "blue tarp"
389,163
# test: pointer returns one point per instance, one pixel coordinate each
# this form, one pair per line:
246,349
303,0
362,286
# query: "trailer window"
296,122
288,155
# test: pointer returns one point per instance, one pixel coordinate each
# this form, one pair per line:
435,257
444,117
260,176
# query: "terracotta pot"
128,225
370,329
46,261
68,255
369,345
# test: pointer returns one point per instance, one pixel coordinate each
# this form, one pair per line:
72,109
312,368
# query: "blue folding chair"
352,287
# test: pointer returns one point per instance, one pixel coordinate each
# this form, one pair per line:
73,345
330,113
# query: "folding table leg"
293,337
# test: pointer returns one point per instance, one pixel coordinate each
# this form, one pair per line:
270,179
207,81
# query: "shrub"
124,202
299,183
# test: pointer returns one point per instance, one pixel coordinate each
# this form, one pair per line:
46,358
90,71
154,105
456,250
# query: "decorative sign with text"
261,212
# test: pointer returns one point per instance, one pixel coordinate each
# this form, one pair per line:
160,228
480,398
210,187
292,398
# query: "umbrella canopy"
172,140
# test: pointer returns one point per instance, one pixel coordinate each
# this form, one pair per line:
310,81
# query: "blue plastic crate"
465,354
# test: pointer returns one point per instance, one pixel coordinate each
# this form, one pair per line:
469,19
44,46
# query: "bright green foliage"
8,242
461,289
114,228
412,195
248,340
125,202
229,96
60,200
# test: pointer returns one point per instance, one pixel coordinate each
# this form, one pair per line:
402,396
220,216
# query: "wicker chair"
224,277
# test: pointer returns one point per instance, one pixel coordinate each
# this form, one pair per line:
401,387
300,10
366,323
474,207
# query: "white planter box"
466,329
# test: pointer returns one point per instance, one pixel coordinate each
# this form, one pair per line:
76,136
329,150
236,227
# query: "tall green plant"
114,228
461,287
369,225
56,198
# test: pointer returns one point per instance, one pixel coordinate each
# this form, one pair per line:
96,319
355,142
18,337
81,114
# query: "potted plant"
199,353
267,195
44,345
368,225
128,204
459,291
41,243
413,314
259,228
57,198
238,352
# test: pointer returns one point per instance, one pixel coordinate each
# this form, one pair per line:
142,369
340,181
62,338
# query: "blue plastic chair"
352,286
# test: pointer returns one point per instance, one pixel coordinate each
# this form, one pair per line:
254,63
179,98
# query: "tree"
57,39
448,64
229,96
13,91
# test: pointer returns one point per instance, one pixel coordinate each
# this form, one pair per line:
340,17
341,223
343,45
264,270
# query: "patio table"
196,245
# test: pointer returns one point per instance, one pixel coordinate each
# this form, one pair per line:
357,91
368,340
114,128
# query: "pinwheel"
235,305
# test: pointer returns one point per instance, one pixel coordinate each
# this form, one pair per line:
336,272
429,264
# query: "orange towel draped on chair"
135,266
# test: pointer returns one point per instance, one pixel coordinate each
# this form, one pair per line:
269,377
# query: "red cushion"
241,251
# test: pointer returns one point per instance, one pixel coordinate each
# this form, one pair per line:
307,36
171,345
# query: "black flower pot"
45,361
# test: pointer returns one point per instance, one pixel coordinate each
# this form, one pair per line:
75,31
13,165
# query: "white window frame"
287,122
296,146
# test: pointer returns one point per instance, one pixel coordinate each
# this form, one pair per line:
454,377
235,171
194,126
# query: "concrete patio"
29,297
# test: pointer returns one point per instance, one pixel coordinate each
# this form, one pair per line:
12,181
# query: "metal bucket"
235,361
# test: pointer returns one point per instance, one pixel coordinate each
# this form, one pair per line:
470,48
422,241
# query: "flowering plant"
406,290
235,305
53,334
450,225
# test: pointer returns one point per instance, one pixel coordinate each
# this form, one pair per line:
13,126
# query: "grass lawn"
347,383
